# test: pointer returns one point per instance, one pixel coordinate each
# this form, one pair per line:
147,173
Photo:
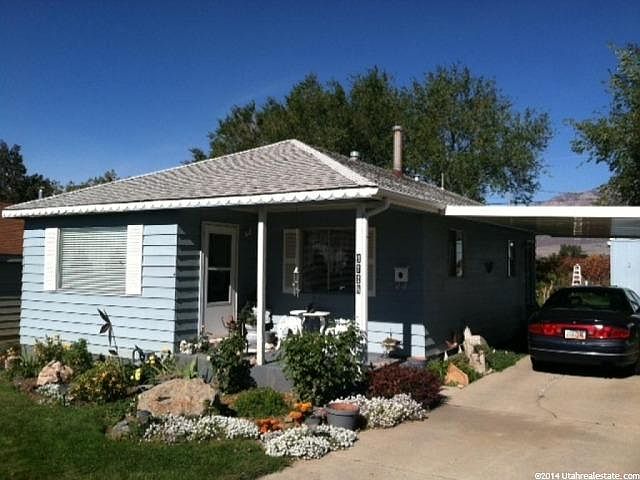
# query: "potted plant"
343,415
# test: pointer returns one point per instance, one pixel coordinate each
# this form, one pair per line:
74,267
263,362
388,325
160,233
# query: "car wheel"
537,365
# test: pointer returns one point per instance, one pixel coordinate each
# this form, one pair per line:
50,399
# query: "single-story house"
11,231
172,254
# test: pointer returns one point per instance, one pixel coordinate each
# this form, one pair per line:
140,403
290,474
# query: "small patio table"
319,314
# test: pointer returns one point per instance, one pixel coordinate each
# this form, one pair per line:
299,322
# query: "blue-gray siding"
146,320
625,263
422,313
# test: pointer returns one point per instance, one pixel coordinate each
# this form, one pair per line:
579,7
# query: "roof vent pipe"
397,151
40,193
354,155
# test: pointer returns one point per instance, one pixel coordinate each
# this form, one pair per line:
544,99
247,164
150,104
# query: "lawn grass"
42,442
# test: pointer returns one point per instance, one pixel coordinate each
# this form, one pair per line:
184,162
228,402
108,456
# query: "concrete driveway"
507,425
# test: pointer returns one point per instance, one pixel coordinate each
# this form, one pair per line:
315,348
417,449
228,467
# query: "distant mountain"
546,245
589,197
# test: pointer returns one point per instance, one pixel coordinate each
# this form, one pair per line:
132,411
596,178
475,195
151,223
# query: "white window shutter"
372,261
50,259
290,257
134,260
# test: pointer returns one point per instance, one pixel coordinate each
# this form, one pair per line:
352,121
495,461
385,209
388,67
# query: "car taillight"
606,331
600,332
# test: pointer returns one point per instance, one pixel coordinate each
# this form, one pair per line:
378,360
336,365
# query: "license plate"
575,334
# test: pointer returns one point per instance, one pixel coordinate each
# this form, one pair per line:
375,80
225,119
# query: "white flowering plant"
307,443
176,428
381,412
53,393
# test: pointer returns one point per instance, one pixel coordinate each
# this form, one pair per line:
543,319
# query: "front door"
220,279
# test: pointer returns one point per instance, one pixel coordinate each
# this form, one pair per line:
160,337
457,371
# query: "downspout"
373,212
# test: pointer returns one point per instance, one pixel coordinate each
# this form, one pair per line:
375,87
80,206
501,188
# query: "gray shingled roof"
287,166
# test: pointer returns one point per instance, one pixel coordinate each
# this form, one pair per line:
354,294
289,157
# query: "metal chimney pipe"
354,155
40,193
397,151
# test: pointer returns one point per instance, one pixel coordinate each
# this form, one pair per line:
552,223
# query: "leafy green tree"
464,130
571,251
457,125
106,177
614,139
15,185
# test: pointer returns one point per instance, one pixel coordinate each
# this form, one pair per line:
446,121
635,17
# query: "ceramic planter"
343,415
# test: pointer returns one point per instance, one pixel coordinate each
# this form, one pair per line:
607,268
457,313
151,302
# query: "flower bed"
382,412
304,442
174,428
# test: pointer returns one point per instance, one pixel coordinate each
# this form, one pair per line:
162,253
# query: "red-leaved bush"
421,384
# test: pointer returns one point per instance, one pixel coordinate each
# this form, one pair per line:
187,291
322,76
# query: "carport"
557,221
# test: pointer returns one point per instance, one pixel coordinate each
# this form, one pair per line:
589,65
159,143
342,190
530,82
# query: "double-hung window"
104,260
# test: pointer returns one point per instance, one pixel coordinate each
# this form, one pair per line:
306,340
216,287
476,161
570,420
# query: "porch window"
456,253
511,258
325,258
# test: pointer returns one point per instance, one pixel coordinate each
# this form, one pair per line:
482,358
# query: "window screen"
93,259
328,260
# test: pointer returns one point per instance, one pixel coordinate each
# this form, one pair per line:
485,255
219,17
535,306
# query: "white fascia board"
547,211
407,201
232,201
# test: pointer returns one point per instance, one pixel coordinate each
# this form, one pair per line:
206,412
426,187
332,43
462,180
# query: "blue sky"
88,86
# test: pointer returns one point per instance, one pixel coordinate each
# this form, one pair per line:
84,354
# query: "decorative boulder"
54,372
455,376
178,397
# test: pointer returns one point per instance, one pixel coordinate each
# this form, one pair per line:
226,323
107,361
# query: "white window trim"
133,267
50,268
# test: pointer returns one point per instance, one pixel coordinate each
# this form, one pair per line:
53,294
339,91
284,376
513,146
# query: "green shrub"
260,403
75,354
231,370
47,350
104,382
498,360
439,367
324,367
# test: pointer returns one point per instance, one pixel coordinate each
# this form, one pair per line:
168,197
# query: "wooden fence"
9,320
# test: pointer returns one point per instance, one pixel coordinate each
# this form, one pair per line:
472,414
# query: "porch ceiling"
557,221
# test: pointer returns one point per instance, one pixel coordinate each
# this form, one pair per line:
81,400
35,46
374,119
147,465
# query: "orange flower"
296,416
305,407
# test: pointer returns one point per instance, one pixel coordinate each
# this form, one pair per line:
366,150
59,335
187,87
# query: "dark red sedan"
587,326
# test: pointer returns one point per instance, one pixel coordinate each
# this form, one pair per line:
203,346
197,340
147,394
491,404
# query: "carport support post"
362,269
262,278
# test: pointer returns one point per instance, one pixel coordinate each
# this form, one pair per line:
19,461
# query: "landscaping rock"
11,361
120,430
143,417
455,376
178,397
54,372
477,362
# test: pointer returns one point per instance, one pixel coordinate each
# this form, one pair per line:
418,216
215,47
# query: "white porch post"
262,278
362,270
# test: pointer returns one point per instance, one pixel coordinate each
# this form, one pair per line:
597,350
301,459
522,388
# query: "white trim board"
546,211
263,199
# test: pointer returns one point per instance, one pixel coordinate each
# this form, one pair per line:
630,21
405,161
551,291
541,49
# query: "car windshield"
589,299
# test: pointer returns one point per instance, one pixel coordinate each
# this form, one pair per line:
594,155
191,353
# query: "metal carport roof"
557,221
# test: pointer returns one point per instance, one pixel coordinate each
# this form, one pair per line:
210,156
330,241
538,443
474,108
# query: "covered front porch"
280,259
